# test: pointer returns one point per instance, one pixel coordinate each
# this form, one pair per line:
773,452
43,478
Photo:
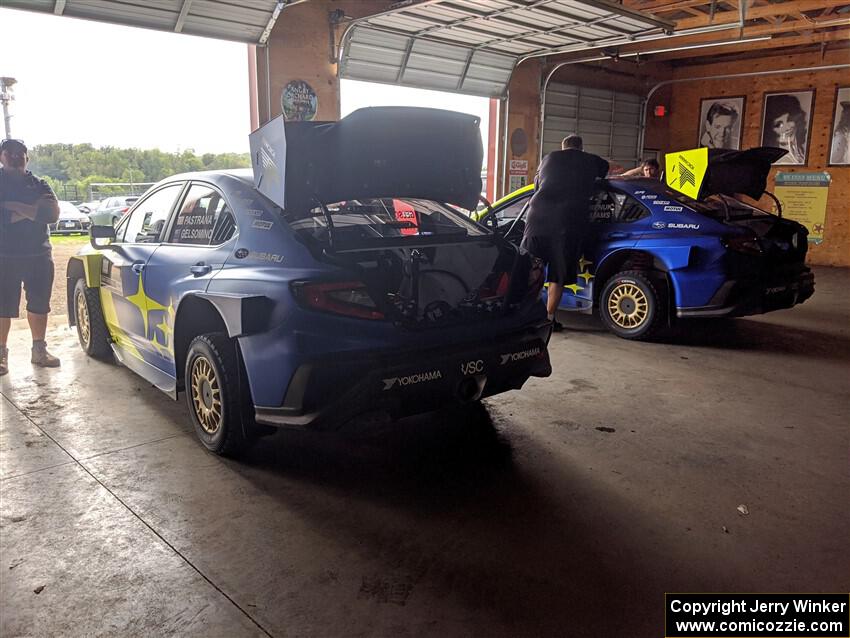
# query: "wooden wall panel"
684,116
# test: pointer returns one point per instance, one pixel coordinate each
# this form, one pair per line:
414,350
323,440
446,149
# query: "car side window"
204,218
512,210
603,207
628,209
148,218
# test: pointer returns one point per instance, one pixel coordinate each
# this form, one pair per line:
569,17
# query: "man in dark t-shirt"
27,206
557,219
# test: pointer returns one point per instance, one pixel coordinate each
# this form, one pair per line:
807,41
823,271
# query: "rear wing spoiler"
371,153
702,172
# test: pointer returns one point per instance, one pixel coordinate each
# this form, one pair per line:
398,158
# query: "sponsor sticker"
254,212
684,226
412,379
661,202
472,367
271,257
639,192
649,197
261,224
672,209
513,357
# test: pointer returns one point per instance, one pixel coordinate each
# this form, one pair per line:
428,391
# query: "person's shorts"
35,273
551,249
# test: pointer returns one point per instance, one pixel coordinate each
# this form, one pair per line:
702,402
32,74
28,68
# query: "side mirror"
101,232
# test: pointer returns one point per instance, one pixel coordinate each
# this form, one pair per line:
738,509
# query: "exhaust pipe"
470,388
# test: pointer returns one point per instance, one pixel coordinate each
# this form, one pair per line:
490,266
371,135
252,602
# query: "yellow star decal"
583,263
586,276
574,287
144,303
166,327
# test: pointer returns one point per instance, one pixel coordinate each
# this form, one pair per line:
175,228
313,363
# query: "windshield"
377,220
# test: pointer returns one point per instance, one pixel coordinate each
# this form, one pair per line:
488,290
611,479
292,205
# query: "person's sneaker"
4,361
41,357
557,326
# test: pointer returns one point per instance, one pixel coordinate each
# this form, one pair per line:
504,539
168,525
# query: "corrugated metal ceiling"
472,46
239,20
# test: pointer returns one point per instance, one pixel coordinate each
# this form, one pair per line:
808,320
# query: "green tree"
67,167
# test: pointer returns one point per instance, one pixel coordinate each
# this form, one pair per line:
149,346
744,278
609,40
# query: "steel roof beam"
59,7
181,19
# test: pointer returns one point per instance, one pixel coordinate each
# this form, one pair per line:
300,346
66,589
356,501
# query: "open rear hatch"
703,172
373,152
374,194
718,175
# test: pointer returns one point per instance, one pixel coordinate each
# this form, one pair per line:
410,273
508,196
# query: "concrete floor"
565,509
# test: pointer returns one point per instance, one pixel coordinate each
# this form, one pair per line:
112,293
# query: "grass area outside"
77,240
64,247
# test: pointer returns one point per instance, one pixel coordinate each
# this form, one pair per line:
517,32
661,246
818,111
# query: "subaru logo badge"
659,225
241,253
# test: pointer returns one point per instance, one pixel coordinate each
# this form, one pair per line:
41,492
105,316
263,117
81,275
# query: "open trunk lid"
702,172
373,152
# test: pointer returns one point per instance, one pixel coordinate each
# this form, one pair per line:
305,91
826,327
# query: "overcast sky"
83,81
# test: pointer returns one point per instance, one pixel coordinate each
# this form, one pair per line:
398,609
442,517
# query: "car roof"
628,184
245,175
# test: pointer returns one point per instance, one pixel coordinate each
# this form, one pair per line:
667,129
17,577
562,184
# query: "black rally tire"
631,306
219,353
92,332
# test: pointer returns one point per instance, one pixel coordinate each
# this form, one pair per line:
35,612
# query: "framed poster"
720,121
787,123
839,148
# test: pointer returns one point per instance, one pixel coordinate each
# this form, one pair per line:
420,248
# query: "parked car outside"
112,210
88,207
70,221
355,290
655,256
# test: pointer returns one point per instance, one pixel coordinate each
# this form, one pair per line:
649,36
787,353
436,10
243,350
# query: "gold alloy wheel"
628,306
206,395
83,321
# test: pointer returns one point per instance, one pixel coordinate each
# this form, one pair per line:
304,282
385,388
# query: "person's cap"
12,144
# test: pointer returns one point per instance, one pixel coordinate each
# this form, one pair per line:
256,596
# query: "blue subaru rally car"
331,281
655,254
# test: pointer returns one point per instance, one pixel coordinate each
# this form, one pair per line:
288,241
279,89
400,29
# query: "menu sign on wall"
803,197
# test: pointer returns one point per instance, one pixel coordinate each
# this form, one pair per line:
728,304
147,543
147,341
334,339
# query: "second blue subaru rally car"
655,255
333,280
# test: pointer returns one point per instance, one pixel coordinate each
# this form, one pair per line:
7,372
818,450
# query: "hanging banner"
803,197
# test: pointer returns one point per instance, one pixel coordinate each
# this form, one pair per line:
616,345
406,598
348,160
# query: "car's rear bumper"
60,228
741,298
326,393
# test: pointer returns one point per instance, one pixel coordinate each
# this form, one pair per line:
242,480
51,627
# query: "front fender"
87,267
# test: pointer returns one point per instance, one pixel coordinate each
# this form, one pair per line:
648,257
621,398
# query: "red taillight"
496,286
349,298
124,210
536,277
743,244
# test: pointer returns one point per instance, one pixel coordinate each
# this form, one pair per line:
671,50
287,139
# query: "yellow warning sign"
685,170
